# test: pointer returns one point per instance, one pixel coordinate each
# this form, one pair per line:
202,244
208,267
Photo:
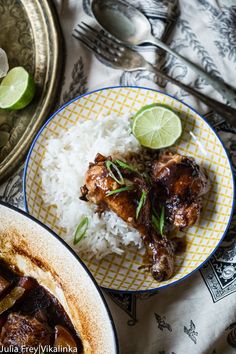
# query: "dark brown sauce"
37,305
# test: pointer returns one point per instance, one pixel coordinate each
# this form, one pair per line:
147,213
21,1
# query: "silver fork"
117,56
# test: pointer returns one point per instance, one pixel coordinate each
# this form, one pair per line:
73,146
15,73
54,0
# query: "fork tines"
98,42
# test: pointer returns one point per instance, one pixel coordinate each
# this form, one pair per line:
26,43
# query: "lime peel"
4,66
156,126
17,89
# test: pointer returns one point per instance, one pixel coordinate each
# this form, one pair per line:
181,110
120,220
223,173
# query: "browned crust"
15,249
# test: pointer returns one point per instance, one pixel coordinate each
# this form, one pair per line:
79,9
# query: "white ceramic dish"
38,252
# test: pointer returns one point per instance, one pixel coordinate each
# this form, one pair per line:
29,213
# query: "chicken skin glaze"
30,316
99,183
179,184
159,250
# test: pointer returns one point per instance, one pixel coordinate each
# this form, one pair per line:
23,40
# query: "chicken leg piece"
179,184
98,182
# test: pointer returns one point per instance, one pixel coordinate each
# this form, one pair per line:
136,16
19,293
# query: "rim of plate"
32,218
166,94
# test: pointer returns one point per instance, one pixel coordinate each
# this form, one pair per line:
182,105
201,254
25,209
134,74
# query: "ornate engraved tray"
30,35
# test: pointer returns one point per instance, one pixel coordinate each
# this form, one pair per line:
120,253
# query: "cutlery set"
125,28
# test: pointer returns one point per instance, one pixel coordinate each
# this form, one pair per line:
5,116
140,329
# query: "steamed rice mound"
65,164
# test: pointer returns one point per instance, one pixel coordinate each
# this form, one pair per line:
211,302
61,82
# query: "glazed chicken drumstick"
176,186
179,184
98,185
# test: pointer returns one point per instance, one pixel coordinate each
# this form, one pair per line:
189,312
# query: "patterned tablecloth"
197,315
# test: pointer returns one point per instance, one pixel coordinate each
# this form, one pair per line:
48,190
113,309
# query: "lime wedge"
4,67
156,126
17,89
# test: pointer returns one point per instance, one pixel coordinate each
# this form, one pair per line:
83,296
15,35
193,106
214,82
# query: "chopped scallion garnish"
110,165
162,220
81,230
119,190
159,222
126,165
141,203
146,176
154,211
156,222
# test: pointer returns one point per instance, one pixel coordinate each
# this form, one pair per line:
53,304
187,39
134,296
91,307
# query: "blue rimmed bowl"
198,140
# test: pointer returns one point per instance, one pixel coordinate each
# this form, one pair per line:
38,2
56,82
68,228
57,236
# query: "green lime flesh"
17,89
156,126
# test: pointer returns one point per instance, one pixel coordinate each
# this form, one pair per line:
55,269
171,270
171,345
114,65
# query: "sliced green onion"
141,203
109,165
162,220
159,222
146,176
81,230
128,182
154,211
119,190
156,222
126,165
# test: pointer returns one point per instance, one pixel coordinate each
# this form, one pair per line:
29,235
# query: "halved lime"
17,89
156,126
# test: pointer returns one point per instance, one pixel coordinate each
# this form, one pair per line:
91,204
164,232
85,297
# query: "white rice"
64,166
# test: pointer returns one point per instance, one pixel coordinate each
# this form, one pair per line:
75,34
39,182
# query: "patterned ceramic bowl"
198,140
37,252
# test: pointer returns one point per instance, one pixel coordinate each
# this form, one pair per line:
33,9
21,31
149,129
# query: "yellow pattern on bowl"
198,140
